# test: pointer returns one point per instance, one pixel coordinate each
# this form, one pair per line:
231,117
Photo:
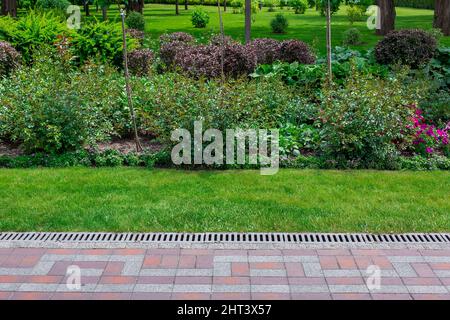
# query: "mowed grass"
128,199
308,27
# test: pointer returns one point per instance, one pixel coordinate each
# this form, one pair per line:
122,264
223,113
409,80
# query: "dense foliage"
9,58
409,47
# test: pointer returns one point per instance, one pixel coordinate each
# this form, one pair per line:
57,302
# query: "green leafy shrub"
279,24
100,40
237,6
9,58
299,6
352,37
199,18
173,101
48,108
52,4
135,20
356,13
32,31
412,47
294,138
361,121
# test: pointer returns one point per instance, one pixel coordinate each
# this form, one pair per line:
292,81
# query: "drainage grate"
99,237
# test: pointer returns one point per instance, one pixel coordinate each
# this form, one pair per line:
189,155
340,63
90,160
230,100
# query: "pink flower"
429,150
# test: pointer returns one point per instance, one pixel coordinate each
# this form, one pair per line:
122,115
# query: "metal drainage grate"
97,237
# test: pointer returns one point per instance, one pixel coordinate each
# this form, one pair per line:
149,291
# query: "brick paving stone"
175,273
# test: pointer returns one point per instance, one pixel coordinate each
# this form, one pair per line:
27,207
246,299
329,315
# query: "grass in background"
130,199
308,27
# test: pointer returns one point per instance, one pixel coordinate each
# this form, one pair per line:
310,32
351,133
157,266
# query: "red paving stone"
155,271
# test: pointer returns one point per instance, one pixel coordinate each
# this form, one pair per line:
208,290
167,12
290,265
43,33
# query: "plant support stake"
127,83
330,72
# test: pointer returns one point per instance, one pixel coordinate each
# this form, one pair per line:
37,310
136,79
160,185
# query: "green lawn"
126,199
309,27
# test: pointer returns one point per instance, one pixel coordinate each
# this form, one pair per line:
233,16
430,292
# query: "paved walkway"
174,273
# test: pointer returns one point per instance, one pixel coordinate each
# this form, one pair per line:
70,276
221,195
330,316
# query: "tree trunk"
105,13
185,4
248,20
86,8
442,16
136,5
177,11
387,16
9,7
224,5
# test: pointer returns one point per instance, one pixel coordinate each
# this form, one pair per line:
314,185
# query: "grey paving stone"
267,273
9,286
406,258
42,268
404,269
114,288
427,289
389,289
312,269
91,272
301,259
158,272
192,288
92,257
153,288
437,259
194,272
230,259
309,289
58,257
259,288
342,273
126,258
265,259
132,268
222,269
90,287
15,271
348,288
230,288
39,287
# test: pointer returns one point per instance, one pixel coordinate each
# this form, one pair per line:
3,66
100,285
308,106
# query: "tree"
185,4
248,20
9,7
387,16
442,16
136,5
86,7
177,11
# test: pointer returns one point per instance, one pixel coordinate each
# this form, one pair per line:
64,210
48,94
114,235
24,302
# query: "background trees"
9,7
442,16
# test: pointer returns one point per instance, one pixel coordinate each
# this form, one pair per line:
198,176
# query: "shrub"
52,4
199,18
299,6
176,36
216,40
32,31
171,43
173,101
101,40
64,110
135,20
295,50
140,62
356,13
267,50
136,34
409,47
237,6
205,61
362,120
9,58
352,37
279,24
